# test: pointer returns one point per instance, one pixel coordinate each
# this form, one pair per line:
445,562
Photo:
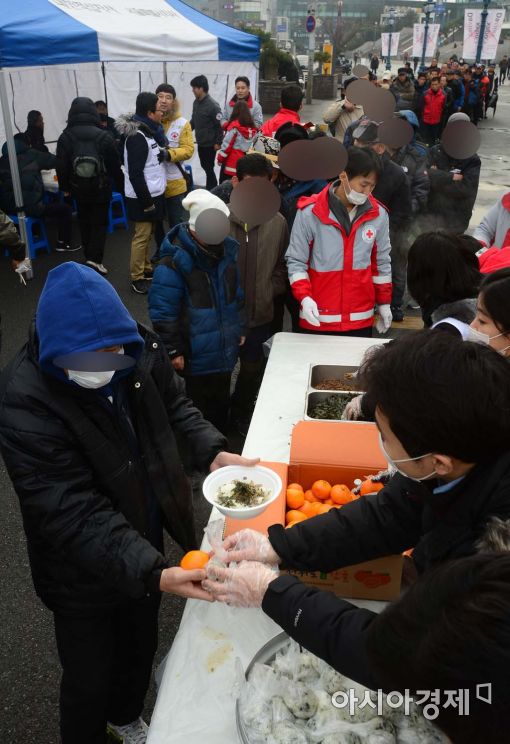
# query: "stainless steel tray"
317,396
321,372
264,655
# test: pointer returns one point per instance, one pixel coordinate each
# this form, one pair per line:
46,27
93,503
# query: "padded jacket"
195,303
87,487
448,199
30,164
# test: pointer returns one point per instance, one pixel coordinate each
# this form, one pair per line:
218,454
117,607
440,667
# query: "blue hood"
80,311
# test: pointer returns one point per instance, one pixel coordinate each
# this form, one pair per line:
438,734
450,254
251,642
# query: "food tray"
264,655
313,398
321,372
318,373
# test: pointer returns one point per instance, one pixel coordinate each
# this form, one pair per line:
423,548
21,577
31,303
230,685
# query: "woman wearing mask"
243,94
492,320
339,254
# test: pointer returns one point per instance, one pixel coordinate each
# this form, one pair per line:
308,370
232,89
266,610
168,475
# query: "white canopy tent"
54,50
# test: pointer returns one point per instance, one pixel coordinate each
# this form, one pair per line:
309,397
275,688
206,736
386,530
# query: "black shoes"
139,286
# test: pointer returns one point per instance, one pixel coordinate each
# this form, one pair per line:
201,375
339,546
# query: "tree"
322,58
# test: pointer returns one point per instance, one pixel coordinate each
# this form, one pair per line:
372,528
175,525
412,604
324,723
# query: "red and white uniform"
346,275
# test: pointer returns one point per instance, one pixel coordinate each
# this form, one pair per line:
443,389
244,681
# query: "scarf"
157,129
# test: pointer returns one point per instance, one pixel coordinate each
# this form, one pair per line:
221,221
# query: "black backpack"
88,171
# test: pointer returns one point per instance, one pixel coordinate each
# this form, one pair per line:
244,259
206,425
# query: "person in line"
430,110
263,275
492,317
145,147
93,459
342,112
337,287
105,121
471,97
30,164
453,80
503,69
403,89
449,499
239,138
453,188
494,229
180,148
34,132
195,305
243,93
374,64
291,101
206,123
88,165
449,107
412,158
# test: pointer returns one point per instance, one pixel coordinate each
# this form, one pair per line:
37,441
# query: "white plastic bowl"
260,475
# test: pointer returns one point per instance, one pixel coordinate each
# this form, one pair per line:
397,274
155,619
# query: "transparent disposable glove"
383,322
242,586
352,411
249,545
310,311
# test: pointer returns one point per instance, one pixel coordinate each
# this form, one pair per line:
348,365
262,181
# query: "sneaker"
148,274
397,314
132,733
61,247
139,286
98,267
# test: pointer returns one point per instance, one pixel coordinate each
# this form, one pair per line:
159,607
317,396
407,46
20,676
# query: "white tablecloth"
196,699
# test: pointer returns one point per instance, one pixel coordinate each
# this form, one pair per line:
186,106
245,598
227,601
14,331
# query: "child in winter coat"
239,137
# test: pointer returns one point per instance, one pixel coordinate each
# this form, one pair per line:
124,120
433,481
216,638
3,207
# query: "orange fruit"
340,494
294,516
315,507
291,524
321,489
307,509
330,502
324,508
194,559
368,486
295,498
309,496
297,486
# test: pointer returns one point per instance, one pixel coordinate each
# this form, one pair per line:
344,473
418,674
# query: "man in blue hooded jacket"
89,411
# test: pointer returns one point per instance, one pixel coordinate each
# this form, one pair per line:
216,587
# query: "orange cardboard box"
339,452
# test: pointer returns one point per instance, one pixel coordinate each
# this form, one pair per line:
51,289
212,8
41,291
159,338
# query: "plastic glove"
311,311
385,318
352,411
24,270
242,586
249,545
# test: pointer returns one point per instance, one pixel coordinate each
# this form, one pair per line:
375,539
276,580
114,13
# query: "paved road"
29,670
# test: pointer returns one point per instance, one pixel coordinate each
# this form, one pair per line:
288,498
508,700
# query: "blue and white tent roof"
55,32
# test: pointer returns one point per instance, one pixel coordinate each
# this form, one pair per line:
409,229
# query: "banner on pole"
385,41
419,36
472,27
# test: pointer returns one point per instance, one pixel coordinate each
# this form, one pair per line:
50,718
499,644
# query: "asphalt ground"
29,667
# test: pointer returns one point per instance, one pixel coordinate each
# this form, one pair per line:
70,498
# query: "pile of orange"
320,498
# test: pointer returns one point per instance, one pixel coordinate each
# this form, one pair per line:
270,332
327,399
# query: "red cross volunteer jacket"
345,267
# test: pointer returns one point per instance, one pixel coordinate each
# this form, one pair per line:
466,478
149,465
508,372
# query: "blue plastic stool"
121,219
34,244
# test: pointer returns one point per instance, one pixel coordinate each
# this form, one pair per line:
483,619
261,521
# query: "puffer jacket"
405,93
94,494
451,202
237,141
254,106
30,164
262,267
414,165
195,303
432,106
345,267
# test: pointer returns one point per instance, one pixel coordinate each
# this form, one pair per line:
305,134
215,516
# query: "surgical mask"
92,380
354,197
393,464
483,338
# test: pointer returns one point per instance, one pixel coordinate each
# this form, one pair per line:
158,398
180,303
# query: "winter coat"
237,141
97,480
458,94
393,191
292,191
414,165
149,186
432,106
10,239
345,267
471,94
339,119
494,229
223,191
470,517
35,138
284,116
30,163
83,124
206,122
195,303
180,148
463,310
254,106
451,202
405,93
262,267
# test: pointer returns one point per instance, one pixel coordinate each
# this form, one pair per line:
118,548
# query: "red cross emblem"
368,234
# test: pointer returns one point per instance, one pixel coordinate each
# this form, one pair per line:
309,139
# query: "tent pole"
165,72
13,160
103,72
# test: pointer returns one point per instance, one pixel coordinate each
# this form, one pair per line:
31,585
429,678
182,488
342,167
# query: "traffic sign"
310,24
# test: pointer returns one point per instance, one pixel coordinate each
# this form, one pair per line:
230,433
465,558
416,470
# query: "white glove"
249,545
310,311
242,586
383,322
352,411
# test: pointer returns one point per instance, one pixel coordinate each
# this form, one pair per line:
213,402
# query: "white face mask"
483,338
354,197
92,380
405,459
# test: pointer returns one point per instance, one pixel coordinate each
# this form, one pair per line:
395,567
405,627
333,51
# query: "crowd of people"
93,452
